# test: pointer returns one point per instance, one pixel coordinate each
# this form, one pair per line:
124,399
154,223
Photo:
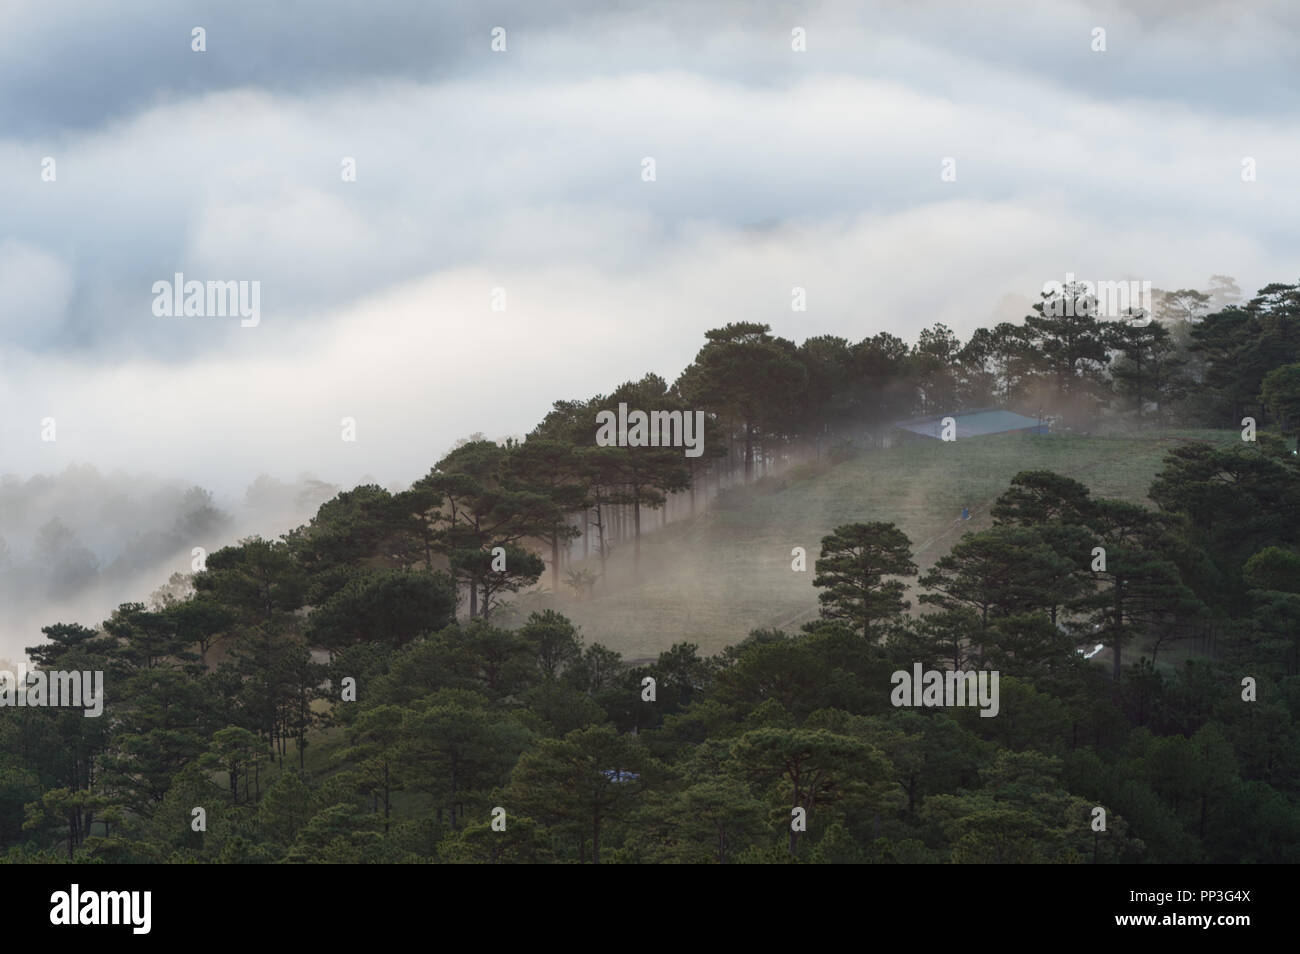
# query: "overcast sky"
523,170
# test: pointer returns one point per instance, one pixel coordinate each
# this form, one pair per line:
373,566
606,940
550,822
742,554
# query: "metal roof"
974,424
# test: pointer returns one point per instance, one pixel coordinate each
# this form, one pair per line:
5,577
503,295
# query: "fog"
523,171
76,544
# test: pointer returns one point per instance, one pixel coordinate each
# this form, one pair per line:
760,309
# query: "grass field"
713,579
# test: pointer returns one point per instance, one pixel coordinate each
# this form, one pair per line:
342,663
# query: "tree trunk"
555,562
749,452
600,537
636,545
794,835
1119,622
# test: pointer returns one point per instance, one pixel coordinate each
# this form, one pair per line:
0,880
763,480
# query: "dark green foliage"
854,562
427,729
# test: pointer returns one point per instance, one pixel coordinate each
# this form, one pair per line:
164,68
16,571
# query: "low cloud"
522,171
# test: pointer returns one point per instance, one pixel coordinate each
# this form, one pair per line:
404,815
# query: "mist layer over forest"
76,544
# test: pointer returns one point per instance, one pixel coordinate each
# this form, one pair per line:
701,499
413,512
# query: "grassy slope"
712,580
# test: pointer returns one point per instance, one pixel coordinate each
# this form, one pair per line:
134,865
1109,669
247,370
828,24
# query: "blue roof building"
977,424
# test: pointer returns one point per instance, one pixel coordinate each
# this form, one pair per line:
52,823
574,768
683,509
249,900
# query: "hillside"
712,580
